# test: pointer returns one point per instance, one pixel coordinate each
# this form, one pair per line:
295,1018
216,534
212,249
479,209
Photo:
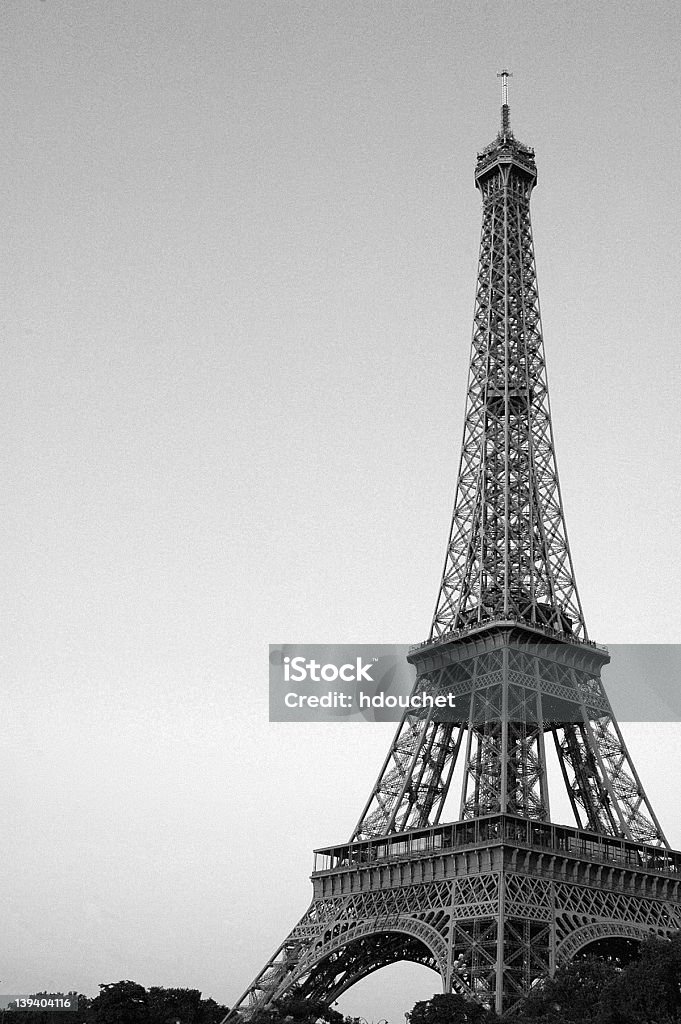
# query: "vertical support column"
504,172
553,941
469,744
543,776
499,994
503,781
447,988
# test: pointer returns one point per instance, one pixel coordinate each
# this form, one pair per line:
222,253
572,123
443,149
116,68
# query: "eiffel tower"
502,895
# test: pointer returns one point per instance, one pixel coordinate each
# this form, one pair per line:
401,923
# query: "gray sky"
240,245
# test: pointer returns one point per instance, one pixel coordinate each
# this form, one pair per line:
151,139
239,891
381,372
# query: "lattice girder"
508,550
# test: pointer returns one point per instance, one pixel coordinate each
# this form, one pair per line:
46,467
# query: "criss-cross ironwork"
508,551
508,636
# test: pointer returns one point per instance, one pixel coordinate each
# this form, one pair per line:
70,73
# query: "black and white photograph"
341,432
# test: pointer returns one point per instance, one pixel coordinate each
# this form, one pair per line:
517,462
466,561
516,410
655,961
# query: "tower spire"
508,551
506,116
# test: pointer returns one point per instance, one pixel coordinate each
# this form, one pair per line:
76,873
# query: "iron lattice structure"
501,896
508,551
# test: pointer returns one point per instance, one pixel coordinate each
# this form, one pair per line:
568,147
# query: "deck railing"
496,830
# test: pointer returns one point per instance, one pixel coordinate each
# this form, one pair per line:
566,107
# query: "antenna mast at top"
504,76
505,118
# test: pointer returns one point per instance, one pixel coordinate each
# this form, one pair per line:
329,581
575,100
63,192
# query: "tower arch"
579,941
349,954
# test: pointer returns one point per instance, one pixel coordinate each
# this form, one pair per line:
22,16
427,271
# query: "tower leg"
499,988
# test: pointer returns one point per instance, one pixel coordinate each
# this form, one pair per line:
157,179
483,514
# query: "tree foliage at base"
299,1011
573,995
645,991
126,1002
591,990
450,1009
587,991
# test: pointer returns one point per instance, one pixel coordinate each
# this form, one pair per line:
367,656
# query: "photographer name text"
338,699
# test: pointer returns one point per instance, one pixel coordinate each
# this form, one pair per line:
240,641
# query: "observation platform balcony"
506,149
498,830
501,620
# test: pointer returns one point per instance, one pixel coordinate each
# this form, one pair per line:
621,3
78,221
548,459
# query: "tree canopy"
126,1002
449,1009
590,990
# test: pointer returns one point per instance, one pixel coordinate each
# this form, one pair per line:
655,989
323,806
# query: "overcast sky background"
239,259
